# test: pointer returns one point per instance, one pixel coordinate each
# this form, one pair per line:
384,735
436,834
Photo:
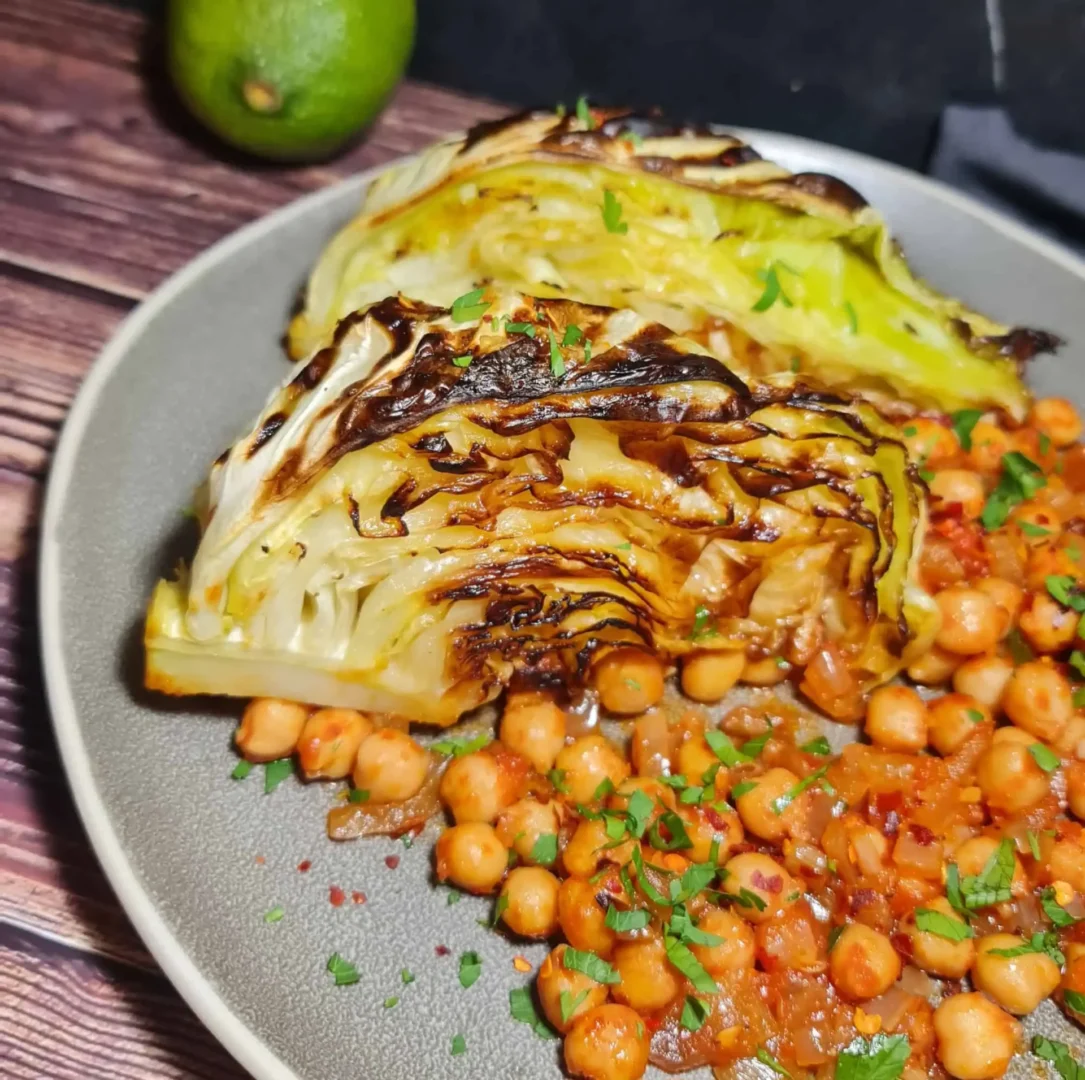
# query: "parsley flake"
622,922
275,772
573,335
853,319
583,113
569,1004
274,915
819,746
557,361
459,1045
1059,1055
684,961
1029,529
694,1013
522,1009
881,1058
406,977
1074,1001
470,306
344,972
1045,942
463,361
612,214
241,770
545,849
701,618
944,926
773,290
767,1059
358,795
964,420
587,963
458,746
1047,759
780,804
1021,478
470,969
1055,911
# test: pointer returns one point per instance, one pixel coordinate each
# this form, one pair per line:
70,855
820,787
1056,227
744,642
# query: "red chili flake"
922,835
774,884
861,898
652,1023
260,860
391,861
715,818
304,866
442,950
336,896
358,897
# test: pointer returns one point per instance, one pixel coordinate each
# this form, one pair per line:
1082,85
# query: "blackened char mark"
398,316
827,187
1019,344
433,444
267,431
488,128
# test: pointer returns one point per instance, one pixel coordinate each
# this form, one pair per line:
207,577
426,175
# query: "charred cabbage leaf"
690,227
434,506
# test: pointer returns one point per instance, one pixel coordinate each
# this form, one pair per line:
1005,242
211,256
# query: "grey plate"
179,839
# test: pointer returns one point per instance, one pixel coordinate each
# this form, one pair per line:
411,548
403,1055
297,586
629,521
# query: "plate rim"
240,1040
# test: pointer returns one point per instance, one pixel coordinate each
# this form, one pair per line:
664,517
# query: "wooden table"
105,189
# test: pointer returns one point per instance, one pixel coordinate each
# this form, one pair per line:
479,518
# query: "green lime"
288,79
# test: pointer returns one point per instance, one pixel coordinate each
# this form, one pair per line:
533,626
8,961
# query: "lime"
288,79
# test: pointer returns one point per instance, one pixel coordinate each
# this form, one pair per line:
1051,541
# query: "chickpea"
989,443
929,441
609,1042
587,763
1066,862
648,980
756,806
329,742
763,876
585,849
519,826
1008,598
863,963
961,486
709,676
475,787
983,678
1071,743
583,918
976,1039
954,719
390,765
737,950
532,894
1017,983
1057,419
1043,516
270,729
695,758
934,667
970,621
628,681
471,857
1075,789
1009,777
1048,626
938,955
768,671
1038,699
896,718
533,726
972,856
707,826
554,978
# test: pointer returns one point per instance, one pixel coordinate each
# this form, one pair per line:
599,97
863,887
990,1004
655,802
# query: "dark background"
866,74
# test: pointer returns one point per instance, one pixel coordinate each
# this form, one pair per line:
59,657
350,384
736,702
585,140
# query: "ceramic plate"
197,858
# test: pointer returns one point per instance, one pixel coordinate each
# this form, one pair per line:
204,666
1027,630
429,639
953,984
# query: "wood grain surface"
106,188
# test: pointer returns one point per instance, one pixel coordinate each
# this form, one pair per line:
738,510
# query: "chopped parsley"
752,747
992,884
391,1002
557,778
767,1059
633,684
681,926
557,361
720,744
679,955
934,922
1059,1055
463,361
964,420
470,969
520,328
545,849
522,1009
1047,759
1029,529
1045,942
241,770
1033,844
819,746
454,897
1074,1001
633,138
358,795
694,1013
583,113
676,838
780,804
459,746
1021,478
1054,910
701,618
459,1045
622,922
881,1058
573,335
1018,647
853,319
470,306
344,972
743,788
587,963
569,1003
275,772
974,715
773,290
274,915
406,977
612,214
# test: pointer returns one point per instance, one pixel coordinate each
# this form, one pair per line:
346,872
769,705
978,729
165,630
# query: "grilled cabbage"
689,227
442,502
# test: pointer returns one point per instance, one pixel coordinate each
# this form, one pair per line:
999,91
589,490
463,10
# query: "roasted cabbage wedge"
440,503
687,226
